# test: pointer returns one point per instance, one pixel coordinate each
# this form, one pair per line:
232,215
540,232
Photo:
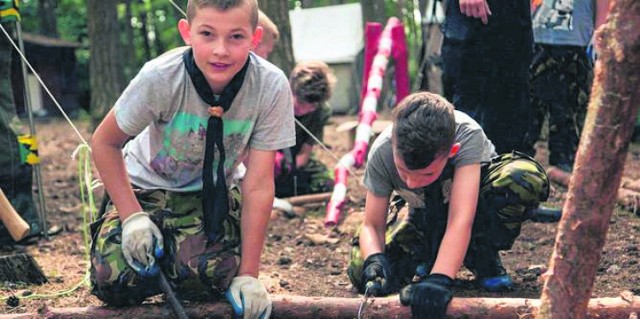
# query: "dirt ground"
299,257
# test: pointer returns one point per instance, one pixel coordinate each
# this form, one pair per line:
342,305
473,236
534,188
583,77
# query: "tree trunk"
47,18
128,52
373,11
285,307
306,4
282,54
430,77
599,166
21,268
105,78
144,34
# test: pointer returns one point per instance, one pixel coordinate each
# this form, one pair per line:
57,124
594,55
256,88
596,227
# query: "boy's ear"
257,37
185,31
454,149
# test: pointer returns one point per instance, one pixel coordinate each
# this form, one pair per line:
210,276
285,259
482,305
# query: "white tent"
333,34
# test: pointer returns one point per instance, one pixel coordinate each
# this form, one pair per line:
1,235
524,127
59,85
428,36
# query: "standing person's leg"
463,56
509,40
569,107
541,65
512,185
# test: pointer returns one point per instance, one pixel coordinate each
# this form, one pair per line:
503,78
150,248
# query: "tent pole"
32,130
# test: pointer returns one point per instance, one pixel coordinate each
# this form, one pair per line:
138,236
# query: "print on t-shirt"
552,14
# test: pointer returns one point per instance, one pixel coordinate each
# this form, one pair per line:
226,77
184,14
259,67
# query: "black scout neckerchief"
215,203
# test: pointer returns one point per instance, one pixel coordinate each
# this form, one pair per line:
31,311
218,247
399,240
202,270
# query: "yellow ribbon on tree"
9,10
29,149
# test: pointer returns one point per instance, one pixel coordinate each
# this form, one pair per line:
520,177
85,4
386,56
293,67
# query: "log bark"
285,307
598,168
308,199
631,184
628,195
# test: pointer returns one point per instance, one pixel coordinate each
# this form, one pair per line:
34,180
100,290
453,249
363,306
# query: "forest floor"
301,257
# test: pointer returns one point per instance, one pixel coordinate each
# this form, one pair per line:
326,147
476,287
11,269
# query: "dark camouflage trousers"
15,175
512,184
198,269
313,178
560,78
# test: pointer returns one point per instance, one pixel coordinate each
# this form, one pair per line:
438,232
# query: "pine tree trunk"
47,18
105,78
599,165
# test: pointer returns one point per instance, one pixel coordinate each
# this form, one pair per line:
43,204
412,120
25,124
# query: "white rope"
324,146
178,8
24,58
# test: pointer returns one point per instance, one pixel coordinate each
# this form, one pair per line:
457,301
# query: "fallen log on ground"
628,195
631,184
285,307
308,199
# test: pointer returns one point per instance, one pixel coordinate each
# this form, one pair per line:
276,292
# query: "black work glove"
429,298
376,275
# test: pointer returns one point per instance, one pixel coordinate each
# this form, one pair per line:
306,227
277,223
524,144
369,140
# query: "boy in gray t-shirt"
465,204
194,114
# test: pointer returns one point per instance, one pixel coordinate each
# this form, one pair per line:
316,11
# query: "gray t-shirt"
381,176
162,109
563,22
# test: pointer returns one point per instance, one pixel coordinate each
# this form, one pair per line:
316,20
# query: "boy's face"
221,41
301,108
418,178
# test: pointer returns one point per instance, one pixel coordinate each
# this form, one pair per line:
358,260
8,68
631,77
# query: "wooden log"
558,176
598,168
285,307
631,184
21,268
627,197
307,199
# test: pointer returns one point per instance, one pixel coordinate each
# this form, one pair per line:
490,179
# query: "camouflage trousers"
15,175
198,269
313,178
512,184
560,79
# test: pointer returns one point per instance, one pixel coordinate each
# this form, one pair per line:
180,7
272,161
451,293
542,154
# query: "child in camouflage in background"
561,72
156,219
465,204
297,170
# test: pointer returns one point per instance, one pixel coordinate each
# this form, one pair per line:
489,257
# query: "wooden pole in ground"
598,168
290,307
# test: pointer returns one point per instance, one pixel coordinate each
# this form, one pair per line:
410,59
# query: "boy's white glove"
141,243
248,297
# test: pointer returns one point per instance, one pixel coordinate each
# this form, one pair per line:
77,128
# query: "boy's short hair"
424,128
312,81
223,5
270,28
